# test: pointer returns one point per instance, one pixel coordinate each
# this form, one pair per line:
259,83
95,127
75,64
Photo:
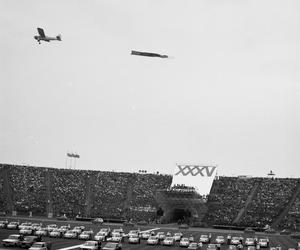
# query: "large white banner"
197,176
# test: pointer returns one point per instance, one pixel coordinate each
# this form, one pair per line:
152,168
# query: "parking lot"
59,243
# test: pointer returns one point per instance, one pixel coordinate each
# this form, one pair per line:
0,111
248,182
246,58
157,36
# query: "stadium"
240,206
150,124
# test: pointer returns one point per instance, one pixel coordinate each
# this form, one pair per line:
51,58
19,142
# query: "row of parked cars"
51,230
167,239
31,242
118,236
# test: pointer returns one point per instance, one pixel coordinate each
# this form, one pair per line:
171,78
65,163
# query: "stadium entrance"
182,215
181,206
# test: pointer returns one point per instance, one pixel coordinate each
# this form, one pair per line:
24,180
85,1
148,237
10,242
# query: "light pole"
72,156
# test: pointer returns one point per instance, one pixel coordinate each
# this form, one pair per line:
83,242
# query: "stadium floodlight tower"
70,156
186,198
271,174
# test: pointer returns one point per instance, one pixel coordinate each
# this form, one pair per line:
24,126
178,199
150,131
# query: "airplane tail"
58,37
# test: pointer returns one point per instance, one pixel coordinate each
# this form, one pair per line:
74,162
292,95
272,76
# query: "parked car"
41,232
78,229
56,233
194,246
161,235
26,230
145,235
116,237
168,241
183,226
134,239
41,246
270,231
85,235
249,230
36,226
112,246
263,242
204,238
119,231
152,240
63,217
64,229
98,221
177,236
100,236
28,241
285,232
71,234
184,242
232,247
51,227
235,240
133,233
212,247
25,224
13,240
91,245
220,239
250,242
103,234
13,225
191,238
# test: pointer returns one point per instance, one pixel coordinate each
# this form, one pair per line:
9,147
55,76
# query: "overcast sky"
229,96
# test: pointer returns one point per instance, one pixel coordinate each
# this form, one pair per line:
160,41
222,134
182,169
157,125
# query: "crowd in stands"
132,196
2,198
143,201
110,194
68,191
114,195
228,194
272,197
28,188
145,187
292,219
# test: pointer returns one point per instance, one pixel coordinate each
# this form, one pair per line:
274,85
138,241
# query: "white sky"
230,96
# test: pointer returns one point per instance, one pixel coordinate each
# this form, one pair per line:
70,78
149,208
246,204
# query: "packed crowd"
110,194
28,188
272,197
145,187
143,201
228,195
292,218
2,198
114,195
132,196
68,191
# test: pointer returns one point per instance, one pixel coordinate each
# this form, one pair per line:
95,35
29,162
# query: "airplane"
139,53
43,37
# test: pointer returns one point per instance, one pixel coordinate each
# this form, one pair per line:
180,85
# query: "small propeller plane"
43,37
139,53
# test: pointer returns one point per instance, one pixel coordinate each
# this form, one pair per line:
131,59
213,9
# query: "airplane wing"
139,53
41,32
